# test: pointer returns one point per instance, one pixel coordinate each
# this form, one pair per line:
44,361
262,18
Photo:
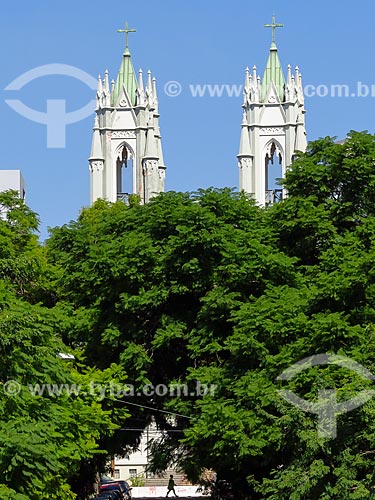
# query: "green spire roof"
126,75
273,73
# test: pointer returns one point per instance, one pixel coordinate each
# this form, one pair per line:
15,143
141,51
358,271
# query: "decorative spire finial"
273,25
127,30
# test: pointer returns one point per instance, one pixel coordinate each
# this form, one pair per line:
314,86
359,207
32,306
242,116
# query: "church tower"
273,127
126,154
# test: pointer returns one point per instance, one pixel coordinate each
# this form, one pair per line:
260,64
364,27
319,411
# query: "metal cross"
126,31
273,25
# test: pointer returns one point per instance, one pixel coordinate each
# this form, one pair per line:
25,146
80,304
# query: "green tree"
209,287
46,430
158,286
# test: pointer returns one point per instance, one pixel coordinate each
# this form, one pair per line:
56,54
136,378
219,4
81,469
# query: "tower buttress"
245,159
273,127
96,163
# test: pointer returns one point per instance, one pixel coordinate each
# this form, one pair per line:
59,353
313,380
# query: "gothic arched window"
124,174
273,173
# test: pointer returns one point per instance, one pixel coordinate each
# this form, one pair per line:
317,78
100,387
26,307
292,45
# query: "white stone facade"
12,179
126,138
273,129
136,463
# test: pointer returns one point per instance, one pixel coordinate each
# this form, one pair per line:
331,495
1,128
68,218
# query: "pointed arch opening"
124,171
273,165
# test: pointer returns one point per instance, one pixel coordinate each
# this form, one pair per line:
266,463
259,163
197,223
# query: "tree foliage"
210,287
45,434
208,290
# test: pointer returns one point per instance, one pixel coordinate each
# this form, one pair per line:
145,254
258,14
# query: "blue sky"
195,42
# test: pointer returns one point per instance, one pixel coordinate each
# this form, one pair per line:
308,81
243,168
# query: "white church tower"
273,127
126,154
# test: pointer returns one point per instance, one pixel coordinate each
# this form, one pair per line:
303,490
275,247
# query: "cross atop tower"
273,25
127,30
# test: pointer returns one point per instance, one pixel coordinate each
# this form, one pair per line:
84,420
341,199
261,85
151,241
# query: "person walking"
171,485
